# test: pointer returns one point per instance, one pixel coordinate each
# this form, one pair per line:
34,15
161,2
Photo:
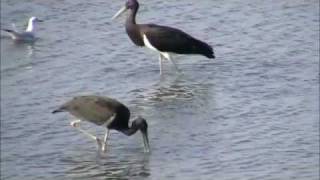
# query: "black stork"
107,112
163,39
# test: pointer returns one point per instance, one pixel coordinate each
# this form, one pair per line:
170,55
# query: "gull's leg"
106,136
76,124
160,63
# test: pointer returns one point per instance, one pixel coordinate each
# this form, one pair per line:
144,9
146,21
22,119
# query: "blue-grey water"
252,113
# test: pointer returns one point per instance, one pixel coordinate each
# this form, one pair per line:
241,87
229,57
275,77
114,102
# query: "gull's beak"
145,141
121,11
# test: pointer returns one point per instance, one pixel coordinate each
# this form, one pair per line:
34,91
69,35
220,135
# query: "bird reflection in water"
108,166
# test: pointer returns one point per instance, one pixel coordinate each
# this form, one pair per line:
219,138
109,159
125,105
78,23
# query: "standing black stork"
107,112
163,39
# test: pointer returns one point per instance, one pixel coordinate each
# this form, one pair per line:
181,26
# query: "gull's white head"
32,18
31,21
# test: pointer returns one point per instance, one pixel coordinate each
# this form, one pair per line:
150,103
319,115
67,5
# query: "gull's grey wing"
25,36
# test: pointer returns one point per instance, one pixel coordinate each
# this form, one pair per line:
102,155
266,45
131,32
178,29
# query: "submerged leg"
104,144
167,55
76,124
160,62
174,64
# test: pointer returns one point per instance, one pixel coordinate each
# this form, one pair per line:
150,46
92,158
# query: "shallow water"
252,113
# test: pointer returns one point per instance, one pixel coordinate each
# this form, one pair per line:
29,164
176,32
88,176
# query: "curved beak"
145,141
121,11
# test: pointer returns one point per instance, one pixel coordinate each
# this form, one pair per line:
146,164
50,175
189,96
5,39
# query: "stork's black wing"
167,39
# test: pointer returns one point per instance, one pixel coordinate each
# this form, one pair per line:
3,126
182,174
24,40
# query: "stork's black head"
132,4
140,123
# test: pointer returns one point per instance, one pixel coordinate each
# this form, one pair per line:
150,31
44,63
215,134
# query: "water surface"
252,113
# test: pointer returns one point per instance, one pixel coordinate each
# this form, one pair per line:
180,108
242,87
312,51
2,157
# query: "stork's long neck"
30,26
130,131
133,29
131,20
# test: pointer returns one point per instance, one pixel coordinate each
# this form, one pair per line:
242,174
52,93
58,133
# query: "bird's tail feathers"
8,30
205,50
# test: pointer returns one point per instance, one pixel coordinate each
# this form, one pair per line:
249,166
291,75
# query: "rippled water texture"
252,113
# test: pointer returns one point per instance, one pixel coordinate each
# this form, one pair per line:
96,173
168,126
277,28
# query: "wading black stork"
107,112
163,39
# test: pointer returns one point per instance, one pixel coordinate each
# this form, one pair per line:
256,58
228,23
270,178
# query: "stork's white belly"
149,45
